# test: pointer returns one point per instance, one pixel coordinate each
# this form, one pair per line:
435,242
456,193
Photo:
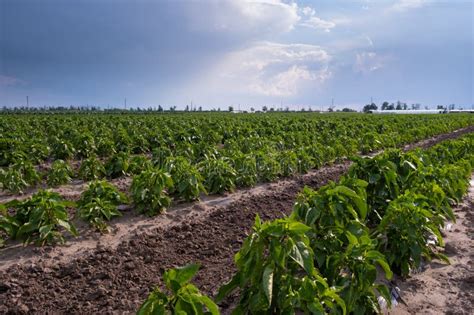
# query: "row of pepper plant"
327,256
56,148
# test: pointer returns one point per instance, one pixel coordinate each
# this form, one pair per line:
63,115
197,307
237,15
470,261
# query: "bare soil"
115,272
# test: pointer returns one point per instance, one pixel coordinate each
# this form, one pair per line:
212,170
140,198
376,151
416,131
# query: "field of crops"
332,250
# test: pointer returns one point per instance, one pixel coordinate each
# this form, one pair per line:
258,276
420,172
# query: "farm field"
133,195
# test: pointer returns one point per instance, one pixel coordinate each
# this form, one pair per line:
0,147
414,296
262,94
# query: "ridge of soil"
115,272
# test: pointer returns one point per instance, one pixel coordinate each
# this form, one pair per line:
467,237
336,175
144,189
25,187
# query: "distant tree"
272,109
330,109
405,106
369,107
391,106
264,108
231,108
160,109
187,108
200,108
252,109
399,106
452,106
385,105
348,110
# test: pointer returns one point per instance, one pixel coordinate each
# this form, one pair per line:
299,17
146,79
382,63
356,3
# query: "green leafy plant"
276,273
268,168
138,164
98,204
353,268
61,149
183,297
334,204
288,163
91,169
12,180
105,146
38,152
219,176
369,142
245,166
84,145
304,161
122,139
453,179
149,191
160,156
19,176
345,254
188,182
41,218
118,165
404,231
382,184
10,151
59,174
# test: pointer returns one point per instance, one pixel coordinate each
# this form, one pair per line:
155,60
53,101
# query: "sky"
236,53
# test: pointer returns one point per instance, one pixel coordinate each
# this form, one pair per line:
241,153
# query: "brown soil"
114,273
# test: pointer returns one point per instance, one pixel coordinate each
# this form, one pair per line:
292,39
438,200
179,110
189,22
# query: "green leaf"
298,227
211,306
186,273
267,282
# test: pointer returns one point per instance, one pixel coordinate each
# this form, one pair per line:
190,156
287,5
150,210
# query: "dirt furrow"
116,272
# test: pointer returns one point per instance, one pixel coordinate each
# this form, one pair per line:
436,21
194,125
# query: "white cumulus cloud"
366,62
274,69
268,69
289,82
246,17
403,5
309,19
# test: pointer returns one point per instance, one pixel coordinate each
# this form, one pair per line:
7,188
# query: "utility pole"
27,102
125,102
